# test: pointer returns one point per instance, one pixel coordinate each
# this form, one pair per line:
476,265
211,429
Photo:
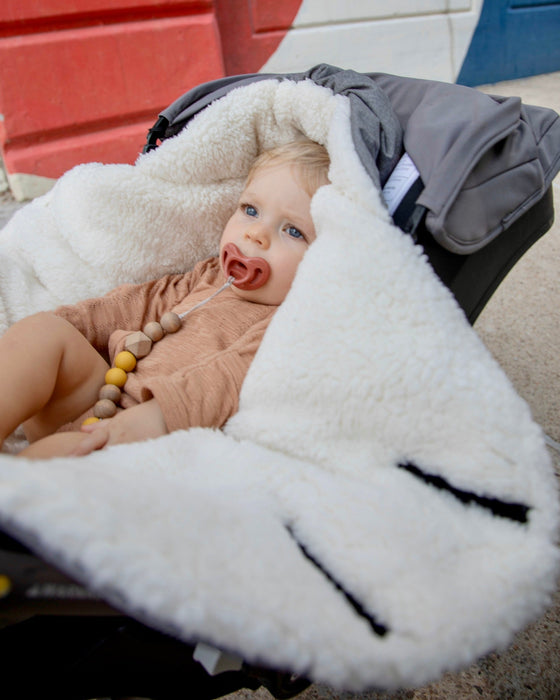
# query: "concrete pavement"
520,326
7,207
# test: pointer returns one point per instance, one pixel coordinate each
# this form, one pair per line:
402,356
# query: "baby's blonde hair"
310,160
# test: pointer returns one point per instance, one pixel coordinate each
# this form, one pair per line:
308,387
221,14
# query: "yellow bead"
170,322
125,360
153,330
110,391
115,376
5,585
90,420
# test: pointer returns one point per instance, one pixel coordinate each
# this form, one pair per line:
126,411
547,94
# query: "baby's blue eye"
250,210
294,233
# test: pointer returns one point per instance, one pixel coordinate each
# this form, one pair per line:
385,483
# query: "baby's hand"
133,425
97,438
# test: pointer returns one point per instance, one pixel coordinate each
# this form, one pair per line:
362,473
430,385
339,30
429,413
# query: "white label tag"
400,181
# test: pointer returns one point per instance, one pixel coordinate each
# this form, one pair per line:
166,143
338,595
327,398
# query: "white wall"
417,38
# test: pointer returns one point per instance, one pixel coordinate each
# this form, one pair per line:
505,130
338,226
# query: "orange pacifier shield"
249,273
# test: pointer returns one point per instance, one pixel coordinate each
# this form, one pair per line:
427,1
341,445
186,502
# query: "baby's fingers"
95,440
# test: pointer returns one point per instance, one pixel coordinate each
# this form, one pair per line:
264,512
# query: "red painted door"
83,80
251,31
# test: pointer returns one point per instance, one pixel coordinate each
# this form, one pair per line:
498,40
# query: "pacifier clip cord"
137,345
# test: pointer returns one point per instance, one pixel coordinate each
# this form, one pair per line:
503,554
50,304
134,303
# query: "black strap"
155,134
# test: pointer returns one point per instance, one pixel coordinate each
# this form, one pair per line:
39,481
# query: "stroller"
498,152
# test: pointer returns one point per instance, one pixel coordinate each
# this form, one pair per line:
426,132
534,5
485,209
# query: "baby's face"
273,222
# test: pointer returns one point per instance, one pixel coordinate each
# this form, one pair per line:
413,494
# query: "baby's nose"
258,234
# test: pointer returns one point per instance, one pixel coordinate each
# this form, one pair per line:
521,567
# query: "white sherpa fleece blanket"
382,507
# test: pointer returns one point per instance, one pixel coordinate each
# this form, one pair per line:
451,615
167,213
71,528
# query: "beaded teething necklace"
137,345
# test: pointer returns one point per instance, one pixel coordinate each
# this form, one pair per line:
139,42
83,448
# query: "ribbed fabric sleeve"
206,394
129,306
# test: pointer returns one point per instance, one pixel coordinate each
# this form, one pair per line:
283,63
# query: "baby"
54,363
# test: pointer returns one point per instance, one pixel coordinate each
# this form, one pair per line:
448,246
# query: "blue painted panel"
532,3
513,39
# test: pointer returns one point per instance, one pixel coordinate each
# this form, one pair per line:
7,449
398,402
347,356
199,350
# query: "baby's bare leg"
49,375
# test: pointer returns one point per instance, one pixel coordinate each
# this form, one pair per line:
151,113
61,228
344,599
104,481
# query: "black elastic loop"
517,512
378,628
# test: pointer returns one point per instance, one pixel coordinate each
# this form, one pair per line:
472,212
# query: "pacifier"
249,273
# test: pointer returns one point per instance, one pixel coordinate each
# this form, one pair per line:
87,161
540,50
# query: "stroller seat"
474,278
82,647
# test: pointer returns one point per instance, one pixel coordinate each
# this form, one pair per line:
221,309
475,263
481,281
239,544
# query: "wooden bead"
104,409
153,330
90,420
170,322
111,392
115,376
138,344
125,360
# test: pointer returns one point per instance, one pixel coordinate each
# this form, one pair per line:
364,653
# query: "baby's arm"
206,394
137,423
129,306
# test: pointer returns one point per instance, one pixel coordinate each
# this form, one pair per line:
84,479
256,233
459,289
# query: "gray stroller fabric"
376,131
484,160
